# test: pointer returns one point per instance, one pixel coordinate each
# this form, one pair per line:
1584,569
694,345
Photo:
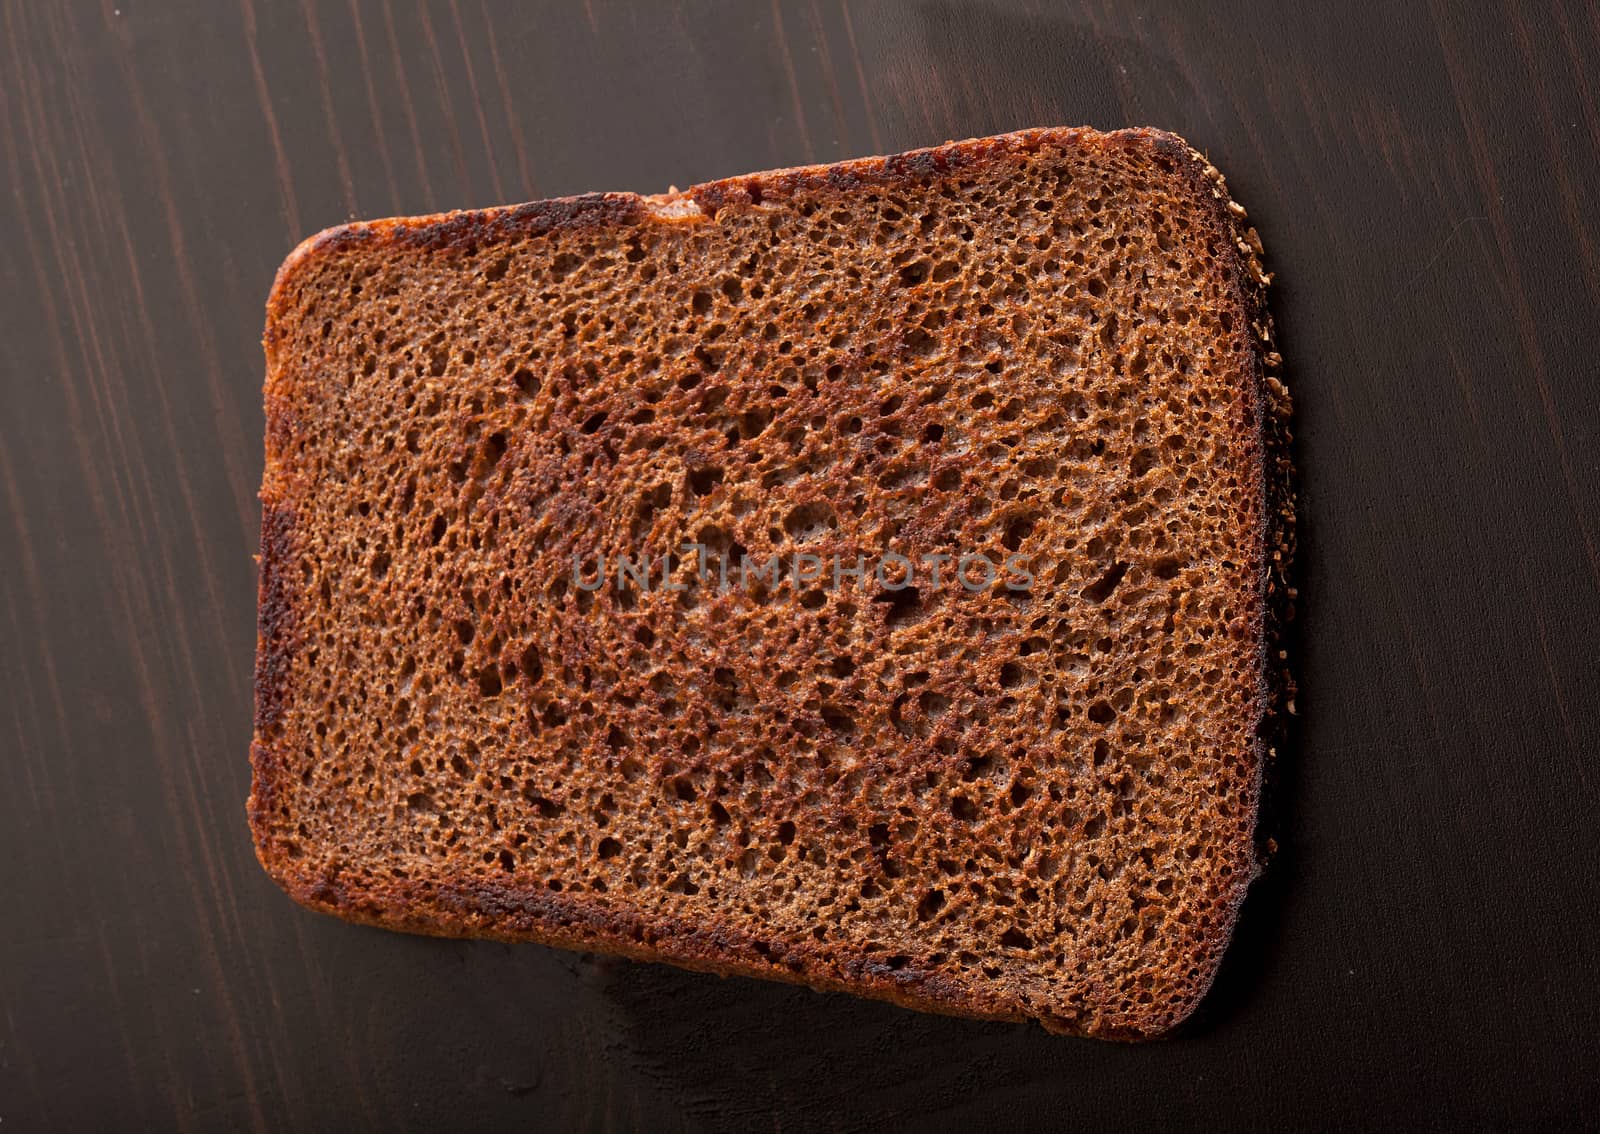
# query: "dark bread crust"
506,911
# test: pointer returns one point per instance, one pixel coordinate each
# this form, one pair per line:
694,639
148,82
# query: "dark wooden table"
1427,183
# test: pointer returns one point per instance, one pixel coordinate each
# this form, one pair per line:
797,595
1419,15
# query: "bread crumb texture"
993,802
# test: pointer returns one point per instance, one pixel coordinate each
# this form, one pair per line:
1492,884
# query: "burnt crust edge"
1272,410
277,620
484,908
468,231
492,911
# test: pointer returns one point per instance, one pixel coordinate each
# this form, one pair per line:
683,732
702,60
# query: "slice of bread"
1029,791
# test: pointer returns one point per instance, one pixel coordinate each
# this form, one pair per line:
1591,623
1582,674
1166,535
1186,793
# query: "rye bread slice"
994,800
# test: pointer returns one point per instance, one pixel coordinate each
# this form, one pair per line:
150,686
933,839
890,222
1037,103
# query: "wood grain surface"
1425,177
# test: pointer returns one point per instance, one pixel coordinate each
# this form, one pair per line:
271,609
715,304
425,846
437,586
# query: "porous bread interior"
1046,798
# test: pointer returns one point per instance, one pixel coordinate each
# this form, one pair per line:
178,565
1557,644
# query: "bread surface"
1049,348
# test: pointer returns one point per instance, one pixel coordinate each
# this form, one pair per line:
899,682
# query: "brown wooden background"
1426,179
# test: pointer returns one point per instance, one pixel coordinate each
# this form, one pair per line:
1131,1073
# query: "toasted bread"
499,695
